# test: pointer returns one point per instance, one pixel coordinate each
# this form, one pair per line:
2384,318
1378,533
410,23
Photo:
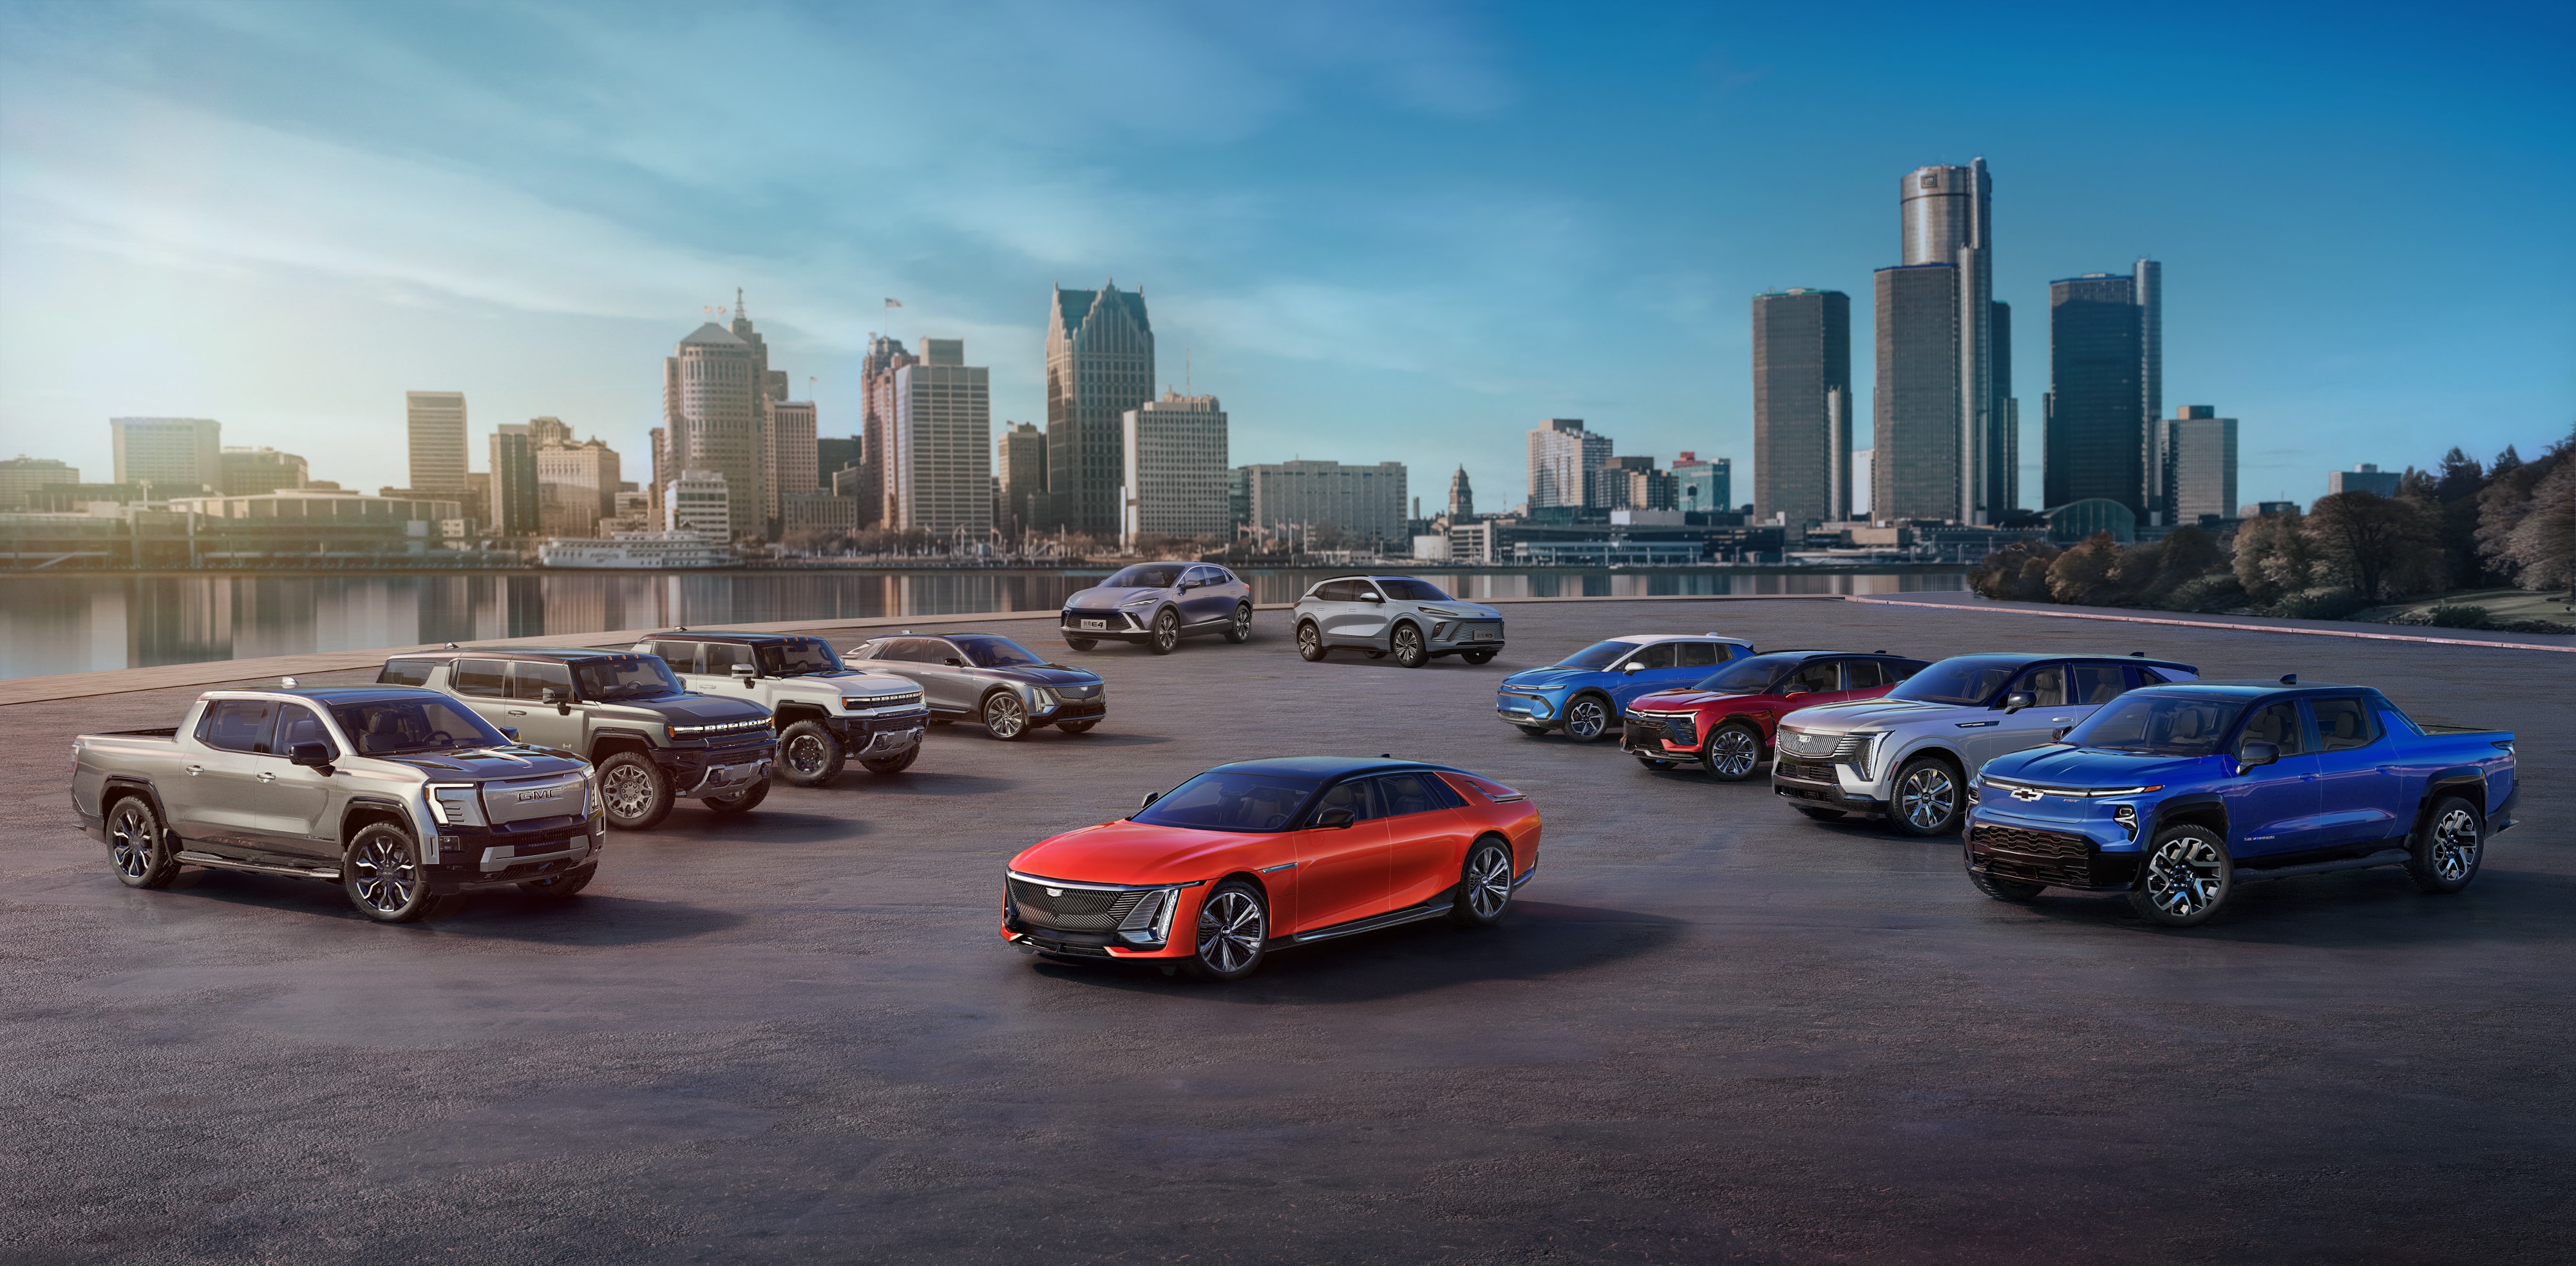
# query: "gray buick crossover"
1158,604
1410,619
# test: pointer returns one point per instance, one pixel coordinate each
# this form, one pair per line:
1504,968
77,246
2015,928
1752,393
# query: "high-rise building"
876,377
1632,483
2365,477
791,452
1019,476
1462,498
1864,471
1562,457
1366,503
1238,495
833,454
2147,286
544,431
1173,480
1943,419
179,457
1703,483
940,447
698,501
2198,458
2096,438
251,472
576,485
514,481
1802,405
1100,364
22,475
435,423
717,389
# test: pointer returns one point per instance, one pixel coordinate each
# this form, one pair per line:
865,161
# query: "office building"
811,514
513,503
1173,473
1462,498
435,423
2147,289
1562,459
2197,457
2096,434
1863,472
20,476
833,454
939,450
717,390
1019,477
698,501
544,431
1238,495
1703,483
576,485
1364,504
1631,483
1943,419
791,451
1100,364
2365,477
876,376
179,457
249,472
1802,405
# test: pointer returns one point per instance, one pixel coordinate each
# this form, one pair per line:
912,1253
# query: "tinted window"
1659,655
1407,589
720,657
2148,676
1750,675
1352,795
799,657
1696,655
485,677
2045,685
2162,725
302,725
1862,674
1954,681
1230,802
1819,676
392,727
1145,576
1405,793
530,679
627,677
2278,724
2342,724
1902,669
405,672
1338,591
237,725
681,656
2097,683
985,650
1597,655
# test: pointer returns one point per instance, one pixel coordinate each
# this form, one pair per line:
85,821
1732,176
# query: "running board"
1373,923
2384,857
212,862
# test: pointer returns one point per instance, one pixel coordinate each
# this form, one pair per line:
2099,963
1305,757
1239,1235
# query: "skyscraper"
576,484
514,481
1562,459
1019,473
180,457
1943,412
2096,440
940,448
1703,483
435,421
1462,498
2147,286
544,431
1174,468
790,454
1801,405
876,376
833,454
1100,364
2198,458
717,388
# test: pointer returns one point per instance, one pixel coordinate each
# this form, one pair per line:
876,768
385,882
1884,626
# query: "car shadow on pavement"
919,782
496,914
764,826
2361,909
1535,940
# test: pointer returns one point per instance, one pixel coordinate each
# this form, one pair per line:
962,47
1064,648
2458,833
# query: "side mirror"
954,662
2018,700
1335,818
2256,752
744,673
1372,597
1150,798
311,756
1632,666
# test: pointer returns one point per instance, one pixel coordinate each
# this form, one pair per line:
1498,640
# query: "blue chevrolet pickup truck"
2177,794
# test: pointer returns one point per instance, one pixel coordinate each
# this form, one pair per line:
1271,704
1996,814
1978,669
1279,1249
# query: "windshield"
1597,655
1956,681
1748,676
799,657
2160,725
625,677
1146,576
1230,802
397,727
1407,589
984,650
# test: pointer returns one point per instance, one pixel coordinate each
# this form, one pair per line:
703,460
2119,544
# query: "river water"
70,624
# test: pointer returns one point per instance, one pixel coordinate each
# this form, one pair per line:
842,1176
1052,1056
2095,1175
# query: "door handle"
518,712
265,776
194,770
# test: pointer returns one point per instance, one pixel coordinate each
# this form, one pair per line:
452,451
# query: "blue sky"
1381,232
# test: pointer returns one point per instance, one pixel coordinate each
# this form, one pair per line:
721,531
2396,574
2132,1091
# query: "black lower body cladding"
468,860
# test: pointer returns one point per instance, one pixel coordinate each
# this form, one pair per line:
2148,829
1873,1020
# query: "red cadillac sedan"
1263,855
1724,723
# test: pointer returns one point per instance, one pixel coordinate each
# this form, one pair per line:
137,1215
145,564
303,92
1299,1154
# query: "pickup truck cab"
399,796
1725,721
652,740
826,711
2178,794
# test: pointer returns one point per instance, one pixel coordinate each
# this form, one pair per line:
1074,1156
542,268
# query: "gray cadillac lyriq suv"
992,679
1395,615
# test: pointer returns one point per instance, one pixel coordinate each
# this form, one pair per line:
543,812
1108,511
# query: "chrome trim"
759,768
1272,870
577,846
1526,876
213,862
1044,882
2038,790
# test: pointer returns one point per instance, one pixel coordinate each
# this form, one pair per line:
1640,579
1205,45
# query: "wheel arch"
609,743
364,811
2205,809
1934,748
2467,784
133,786
787,714
1407,620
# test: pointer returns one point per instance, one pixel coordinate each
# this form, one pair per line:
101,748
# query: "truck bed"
167,731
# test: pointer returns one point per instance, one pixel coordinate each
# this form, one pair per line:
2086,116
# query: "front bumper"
1091,709
2059,854
1824,783
1092,930
471,859
1446,637
1664,737
1122,625
715,771
1528,708
880,733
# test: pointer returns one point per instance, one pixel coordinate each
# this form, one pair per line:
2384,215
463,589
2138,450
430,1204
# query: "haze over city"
1377,235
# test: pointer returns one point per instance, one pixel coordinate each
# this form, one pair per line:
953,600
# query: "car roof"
1649,639
527,652
2254,689
2034,657
1323,767
332,694
725,635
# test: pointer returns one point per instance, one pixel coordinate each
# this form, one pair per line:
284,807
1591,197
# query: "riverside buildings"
179,457
248,472
1802,434
1703,483
576,484
513,506
876,378
1100,364
2197,455
791,455
939,446
1462,498
1019,478
1173,476
22,475
1563,457
435,424
2105,364
1944,421
717,396
1314,499
698,502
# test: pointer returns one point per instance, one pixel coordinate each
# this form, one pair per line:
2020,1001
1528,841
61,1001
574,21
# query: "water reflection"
69,624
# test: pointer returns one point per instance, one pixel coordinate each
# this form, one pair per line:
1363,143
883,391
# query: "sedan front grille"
1807,743
1077,692
1071,909
1804,770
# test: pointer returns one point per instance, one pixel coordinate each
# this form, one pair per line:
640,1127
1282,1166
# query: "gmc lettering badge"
547,794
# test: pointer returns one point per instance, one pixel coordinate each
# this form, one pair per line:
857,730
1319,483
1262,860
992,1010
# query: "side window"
237,725
1338,591
480,677
405,672
1352,795
1659,655
2097,683
1818,676
2277,724
1404,793
2045,685
1695,655
1199,577
2343,724
1901,669
2145,677
302,725
1862,674
531,679
935,651
720,657
871,650
1443,792
681,656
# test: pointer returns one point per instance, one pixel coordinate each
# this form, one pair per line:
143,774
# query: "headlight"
456,804
2127,816
1449,612
855,703
1142,600
589,791
1150,923
1042,697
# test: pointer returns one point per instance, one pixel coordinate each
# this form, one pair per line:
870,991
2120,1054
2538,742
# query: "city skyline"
161,273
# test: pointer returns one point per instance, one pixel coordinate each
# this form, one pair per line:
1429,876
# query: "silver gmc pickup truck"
400,796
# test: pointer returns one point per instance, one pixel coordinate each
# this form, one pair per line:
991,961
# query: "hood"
1105,598
1124,852
1474,610
1544,677
697,709
1046,675
1872,714
836,685
488,762
2057,765
1689,698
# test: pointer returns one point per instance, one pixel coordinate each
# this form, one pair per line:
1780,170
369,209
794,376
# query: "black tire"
809,754
382,873
1821,815
1082,643
1930,799
137,846
894,764
1230,934
1076,727
1410,652
555,887
1733,752
1484,885
2448,850
1240,631
1477,657
1166,635
741,801
1588,718
1310,643
1005,717
2184,878
2005,889
635,790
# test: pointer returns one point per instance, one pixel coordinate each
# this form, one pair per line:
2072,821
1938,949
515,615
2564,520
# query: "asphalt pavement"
1709,1030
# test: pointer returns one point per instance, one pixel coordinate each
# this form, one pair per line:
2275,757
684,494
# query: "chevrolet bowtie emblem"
2025,793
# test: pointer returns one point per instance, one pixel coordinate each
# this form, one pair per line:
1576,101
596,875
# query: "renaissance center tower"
1944,421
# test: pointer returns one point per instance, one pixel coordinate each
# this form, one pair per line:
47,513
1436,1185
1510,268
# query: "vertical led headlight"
1150,923
2127,816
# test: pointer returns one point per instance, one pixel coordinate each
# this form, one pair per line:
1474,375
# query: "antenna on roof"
2289,679
450,646
2137,654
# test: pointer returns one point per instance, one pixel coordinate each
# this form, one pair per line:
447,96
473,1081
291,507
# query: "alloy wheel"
1005,717
2184,875
629,791
1489,882
1408,646
1243,624
1928,797
131,846
1732,752
806,755
1310,642
2455,845
1585,719
1167,632
1230,931
385,877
